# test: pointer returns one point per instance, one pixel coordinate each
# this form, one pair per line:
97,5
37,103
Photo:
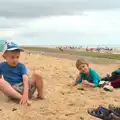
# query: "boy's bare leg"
37,80
7,89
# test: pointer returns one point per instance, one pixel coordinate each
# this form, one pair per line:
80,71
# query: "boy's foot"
40,97
37,98
108,88
103,83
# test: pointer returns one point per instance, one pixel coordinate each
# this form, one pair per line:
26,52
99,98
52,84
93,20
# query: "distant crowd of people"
98,49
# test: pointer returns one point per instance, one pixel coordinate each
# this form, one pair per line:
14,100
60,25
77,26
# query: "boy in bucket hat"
15,83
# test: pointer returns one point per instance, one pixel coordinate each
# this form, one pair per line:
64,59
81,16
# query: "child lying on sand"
15,83
87,76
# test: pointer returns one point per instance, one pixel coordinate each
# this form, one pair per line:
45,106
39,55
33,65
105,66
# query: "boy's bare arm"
24,99
85,82
25,82
91,84
76,81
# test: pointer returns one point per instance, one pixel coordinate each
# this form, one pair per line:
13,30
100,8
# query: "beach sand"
62,101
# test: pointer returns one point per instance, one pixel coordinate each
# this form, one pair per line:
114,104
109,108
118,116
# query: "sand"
62,101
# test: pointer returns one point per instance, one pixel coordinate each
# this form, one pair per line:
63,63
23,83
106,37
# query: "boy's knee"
38,74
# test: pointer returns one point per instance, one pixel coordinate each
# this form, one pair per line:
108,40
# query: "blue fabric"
13,74
12,45
116,72
93,77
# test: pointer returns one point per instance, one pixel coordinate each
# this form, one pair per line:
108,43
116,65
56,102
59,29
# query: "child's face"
84,68
12,57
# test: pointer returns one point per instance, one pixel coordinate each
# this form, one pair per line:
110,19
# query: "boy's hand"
85,82
24,100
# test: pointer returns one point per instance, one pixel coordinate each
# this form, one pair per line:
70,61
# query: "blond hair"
80,61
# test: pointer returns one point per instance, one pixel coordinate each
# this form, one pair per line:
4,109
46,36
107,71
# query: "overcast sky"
52,22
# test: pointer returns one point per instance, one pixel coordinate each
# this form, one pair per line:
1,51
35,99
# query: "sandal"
101,112
115,110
